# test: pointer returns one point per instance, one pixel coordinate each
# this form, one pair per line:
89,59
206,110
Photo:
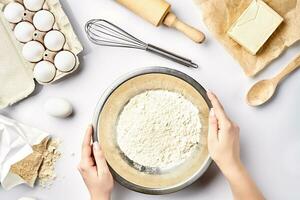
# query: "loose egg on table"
43,20
44,71
13,12
64,61
24,31
58,107
33,5
33,51
54,40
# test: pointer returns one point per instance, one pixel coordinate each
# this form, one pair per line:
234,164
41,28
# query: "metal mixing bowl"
160,188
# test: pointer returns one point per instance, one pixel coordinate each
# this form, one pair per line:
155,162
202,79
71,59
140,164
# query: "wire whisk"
105,33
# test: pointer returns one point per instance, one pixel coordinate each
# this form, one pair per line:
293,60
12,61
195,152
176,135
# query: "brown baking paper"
220,15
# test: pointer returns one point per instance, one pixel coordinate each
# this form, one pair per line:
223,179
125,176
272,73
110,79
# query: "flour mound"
159,128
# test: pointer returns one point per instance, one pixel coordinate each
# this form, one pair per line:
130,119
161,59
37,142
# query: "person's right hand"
223,137
224,148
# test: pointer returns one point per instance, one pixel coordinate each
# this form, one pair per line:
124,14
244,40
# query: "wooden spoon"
263,90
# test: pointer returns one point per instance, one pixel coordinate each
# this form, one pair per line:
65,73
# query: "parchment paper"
220,15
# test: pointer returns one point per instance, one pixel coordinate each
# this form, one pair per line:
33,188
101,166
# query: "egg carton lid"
16,74
16,79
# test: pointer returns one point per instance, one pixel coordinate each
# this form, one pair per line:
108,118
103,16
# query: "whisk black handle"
171,56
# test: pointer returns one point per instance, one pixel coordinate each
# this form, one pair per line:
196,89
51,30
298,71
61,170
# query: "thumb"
213,127
101,164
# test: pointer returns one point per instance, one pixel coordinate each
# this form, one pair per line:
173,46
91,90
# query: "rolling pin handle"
172,21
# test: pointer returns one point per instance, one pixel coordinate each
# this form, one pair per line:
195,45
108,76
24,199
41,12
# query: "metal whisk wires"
104,33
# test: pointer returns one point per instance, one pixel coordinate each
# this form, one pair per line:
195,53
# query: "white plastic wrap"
16,141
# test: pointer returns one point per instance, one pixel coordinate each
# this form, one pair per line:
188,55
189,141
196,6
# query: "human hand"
223,138
224,148
94,170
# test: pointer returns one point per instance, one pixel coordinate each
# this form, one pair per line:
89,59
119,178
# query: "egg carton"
16,73
61,24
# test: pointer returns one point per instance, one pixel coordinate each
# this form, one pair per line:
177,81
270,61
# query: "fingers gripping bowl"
127,172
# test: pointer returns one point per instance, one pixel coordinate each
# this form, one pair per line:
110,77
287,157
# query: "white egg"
58,107
33,5
44,71
13,12
64,61
33,51
26,198
54,40
24,31
43,20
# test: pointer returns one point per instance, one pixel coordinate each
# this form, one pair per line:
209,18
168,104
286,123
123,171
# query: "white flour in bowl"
159,128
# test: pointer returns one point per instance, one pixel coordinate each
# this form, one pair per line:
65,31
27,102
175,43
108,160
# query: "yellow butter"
254,27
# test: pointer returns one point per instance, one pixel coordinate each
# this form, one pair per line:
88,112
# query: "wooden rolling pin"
159,12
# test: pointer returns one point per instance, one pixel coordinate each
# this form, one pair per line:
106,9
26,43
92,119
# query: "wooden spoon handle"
172,21
288,69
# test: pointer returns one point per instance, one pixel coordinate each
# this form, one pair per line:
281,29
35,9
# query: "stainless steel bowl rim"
112,88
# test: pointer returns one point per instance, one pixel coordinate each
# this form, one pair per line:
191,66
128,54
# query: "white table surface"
270,135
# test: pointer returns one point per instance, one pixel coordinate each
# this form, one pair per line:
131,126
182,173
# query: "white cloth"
16,141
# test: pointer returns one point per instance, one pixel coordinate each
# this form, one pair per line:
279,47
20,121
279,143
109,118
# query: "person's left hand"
94,170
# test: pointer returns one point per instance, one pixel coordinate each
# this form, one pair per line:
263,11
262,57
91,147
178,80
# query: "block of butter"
255,26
